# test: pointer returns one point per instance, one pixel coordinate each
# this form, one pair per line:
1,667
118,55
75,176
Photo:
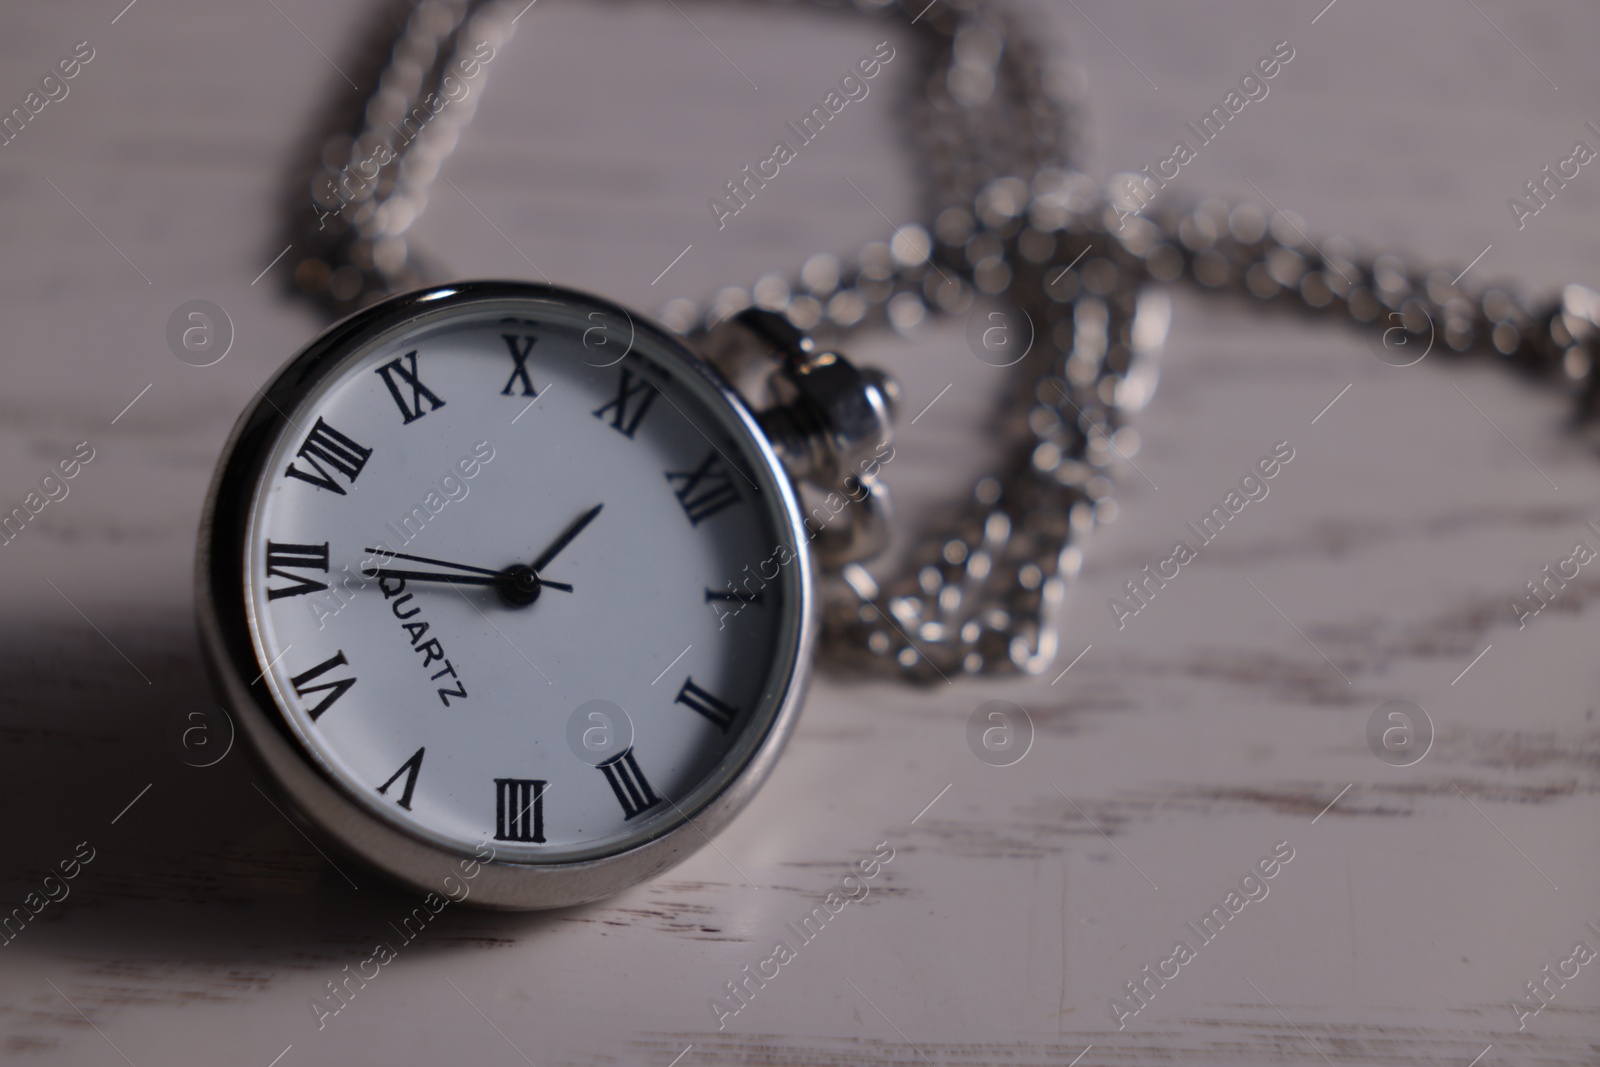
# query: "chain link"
1010,219
979,591
984,113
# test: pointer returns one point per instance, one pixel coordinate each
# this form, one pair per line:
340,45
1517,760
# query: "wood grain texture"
1177,752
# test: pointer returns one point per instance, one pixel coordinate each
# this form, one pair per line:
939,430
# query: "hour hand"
573,530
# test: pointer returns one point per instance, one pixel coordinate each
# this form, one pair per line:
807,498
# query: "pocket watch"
504,570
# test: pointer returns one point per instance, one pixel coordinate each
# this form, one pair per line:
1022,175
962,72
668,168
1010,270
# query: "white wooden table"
1177,752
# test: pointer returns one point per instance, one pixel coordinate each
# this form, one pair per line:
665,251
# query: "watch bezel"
231,657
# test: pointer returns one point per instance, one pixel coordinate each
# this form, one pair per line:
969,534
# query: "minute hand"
433,576
386,554
490,578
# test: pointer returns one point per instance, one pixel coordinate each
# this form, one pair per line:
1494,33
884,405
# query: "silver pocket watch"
500,571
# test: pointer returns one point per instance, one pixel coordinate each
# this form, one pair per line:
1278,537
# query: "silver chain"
1010,221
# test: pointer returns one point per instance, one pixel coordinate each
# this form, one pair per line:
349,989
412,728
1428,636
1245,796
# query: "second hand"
473,575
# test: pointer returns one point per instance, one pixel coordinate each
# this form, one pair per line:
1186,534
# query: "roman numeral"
720,714
625,413
409,768
520,357
337,687
322,445
519,809
407,373
627,781
705,490
736,598
281,558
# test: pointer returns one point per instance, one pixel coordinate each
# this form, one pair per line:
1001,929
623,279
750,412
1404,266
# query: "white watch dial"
518,588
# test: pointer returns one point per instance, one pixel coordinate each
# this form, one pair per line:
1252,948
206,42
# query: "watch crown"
831,423
828,417
888,386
